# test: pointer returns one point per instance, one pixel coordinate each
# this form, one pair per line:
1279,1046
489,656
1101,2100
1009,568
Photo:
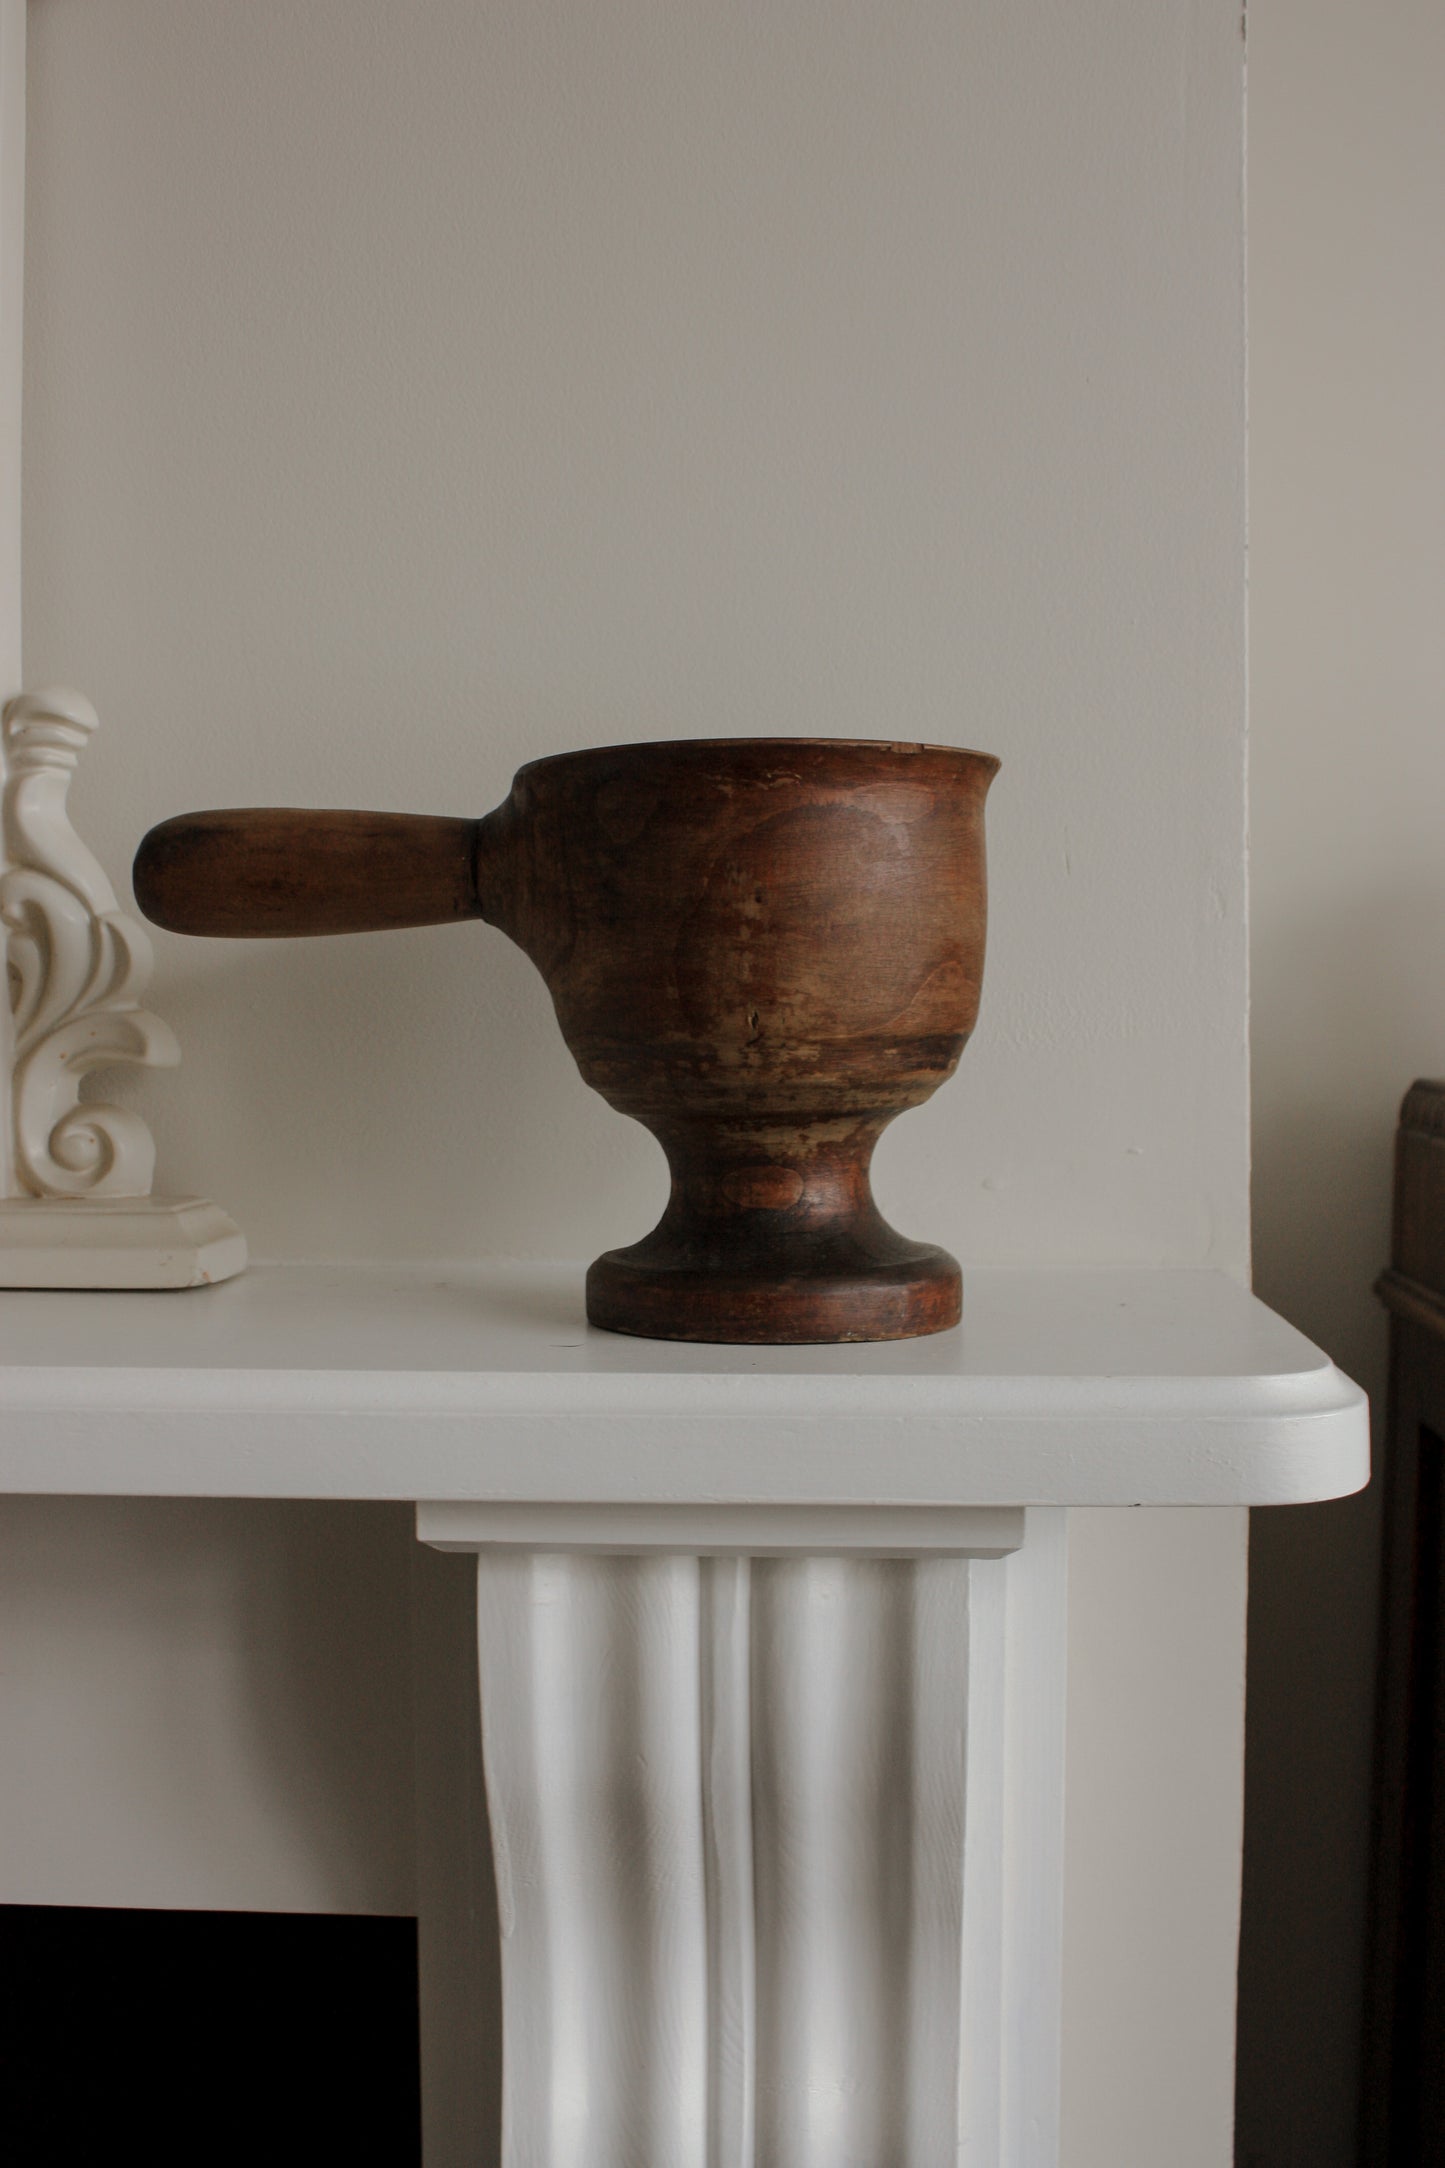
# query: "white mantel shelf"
763,1634
484,1384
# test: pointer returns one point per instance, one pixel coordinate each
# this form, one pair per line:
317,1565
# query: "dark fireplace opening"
181,2038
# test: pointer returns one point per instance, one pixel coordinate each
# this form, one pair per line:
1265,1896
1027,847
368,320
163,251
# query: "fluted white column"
591,1700
749,1821
833,1835
727,1791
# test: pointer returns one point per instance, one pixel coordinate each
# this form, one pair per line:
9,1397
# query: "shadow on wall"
1342,1026
406,1093
458,1931
275,1770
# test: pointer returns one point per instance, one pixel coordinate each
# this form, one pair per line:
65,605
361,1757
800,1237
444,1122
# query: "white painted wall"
410,392
207,1703
1347,572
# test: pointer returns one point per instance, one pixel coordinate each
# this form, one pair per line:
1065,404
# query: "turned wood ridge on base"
762,949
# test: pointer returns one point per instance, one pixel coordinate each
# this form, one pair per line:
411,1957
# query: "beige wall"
411,391
1347,608
206,1703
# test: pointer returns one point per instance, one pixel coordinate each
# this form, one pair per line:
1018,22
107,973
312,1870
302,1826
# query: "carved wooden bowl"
763,949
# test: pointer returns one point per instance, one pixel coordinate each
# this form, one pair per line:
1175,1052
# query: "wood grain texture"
1403,2095
762,949
284,870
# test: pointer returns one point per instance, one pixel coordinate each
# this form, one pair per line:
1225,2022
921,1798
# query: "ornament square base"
131,1242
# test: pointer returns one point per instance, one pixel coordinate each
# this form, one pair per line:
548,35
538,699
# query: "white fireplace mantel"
772,1648
482,1384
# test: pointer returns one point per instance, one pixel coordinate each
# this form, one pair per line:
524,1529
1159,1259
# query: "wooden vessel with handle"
763,949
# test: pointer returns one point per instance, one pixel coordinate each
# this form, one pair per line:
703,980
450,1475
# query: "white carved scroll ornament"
77,966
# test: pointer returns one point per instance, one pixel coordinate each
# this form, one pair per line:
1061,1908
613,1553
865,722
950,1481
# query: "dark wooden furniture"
763,949
1404,2067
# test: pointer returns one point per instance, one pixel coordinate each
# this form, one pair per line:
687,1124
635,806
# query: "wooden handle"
282,870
